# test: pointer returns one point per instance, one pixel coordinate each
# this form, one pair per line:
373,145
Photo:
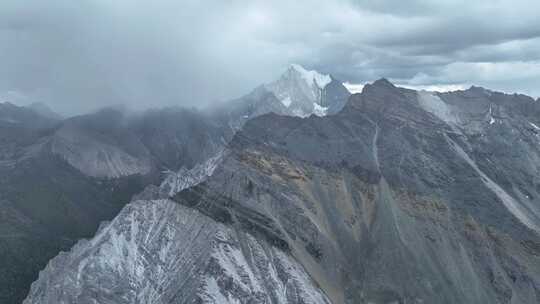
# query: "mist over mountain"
79,57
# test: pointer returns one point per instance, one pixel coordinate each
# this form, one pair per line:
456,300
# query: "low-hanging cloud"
80,55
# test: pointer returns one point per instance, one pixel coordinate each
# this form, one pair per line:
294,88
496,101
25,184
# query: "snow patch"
183,179
354,88
491,119
534,126
287,101
300,113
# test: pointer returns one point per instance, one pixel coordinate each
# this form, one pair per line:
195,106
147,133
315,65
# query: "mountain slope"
11,114
101,145
150,254
46,206
394,199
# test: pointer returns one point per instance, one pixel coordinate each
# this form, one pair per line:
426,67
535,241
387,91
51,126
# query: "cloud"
80,55
512,76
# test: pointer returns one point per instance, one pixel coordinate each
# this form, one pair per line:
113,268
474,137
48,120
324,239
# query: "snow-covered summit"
303,92
296,92
312,77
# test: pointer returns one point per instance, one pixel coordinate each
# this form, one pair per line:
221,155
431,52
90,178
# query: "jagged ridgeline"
400,197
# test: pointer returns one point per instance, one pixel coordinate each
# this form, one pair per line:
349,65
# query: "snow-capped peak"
303,92
312,77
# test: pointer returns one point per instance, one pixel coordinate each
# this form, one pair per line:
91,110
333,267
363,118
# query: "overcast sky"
79,55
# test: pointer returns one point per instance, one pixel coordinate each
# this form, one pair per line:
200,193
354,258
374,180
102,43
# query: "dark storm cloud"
79,55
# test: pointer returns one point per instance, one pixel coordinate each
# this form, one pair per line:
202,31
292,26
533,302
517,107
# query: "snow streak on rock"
509,202
158,251
184,178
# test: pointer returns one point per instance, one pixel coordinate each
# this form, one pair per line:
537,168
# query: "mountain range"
61,177
295,193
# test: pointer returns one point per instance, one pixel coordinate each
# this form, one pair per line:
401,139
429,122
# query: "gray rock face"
334,96
97,157
402,197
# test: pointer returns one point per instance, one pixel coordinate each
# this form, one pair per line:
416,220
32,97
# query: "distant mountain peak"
479,91
304,92
383,82
478,88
